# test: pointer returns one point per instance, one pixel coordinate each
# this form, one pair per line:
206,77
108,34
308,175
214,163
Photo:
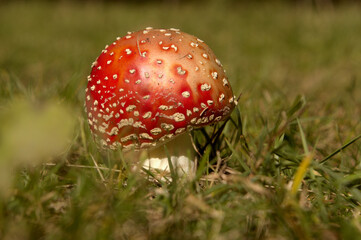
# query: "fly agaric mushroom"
151,86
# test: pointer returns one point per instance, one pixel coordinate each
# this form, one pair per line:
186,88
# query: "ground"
286,165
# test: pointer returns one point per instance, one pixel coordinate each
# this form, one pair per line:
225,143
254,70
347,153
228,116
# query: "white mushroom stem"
179,150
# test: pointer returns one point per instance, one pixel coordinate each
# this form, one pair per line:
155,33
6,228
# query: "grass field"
286,166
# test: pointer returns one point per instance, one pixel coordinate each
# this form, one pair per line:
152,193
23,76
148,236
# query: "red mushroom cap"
152,85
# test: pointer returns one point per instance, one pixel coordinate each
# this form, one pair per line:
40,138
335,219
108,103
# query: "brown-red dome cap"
152,85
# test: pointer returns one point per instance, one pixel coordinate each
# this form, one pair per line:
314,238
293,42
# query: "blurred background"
52,43
272,51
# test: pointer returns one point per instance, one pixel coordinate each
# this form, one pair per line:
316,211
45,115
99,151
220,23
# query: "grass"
286,165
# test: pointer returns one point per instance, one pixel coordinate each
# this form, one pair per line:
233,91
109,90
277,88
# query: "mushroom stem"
179,150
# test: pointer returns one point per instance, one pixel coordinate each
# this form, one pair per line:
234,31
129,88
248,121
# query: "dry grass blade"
300,173
84,166
98,170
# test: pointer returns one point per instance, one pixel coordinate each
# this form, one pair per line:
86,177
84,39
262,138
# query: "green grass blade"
340,149
303,138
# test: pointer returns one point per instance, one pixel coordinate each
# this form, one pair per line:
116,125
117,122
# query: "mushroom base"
182,164
180,152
